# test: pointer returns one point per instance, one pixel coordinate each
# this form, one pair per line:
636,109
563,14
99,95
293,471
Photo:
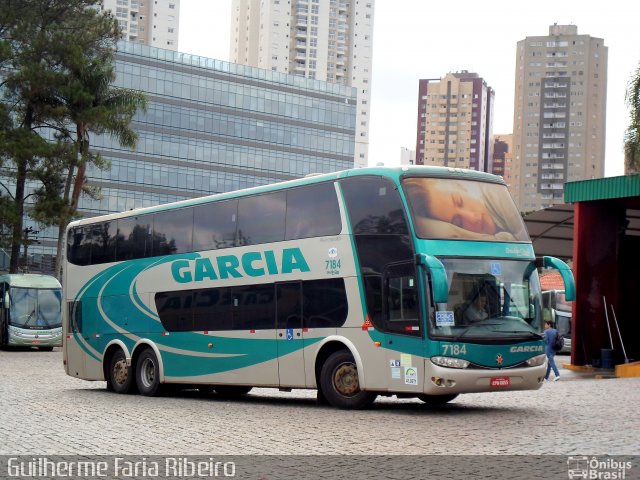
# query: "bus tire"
231,391
148,374
339,381
437,400
120,376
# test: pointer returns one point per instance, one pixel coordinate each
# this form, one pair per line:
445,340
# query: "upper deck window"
463,209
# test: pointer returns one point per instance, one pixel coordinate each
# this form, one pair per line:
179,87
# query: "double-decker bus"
356,283
30,311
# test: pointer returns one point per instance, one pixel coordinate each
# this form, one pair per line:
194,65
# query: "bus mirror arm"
438,274
566,273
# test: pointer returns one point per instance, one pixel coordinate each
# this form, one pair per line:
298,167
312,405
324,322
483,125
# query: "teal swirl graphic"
112,308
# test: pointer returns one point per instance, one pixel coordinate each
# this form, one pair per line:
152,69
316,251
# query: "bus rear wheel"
120,377
340,385
231,391
437,400
148,374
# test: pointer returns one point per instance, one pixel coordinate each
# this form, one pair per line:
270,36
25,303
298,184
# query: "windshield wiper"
480,323
531,334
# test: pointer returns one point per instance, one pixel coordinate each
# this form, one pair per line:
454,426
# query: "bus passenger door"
289,334
403,329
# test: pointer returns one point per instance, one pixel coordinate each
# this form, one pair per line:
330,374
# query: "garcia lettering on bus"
250,264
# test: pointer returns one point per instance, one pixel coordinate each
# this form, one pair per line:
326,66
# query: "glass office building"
211,127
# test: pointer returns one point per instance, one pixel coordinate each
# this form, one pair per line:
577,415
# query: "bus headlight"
536,361
450,362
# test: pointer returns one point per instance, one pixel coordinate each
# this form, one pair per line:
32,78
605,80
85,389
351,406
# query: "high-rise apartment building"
455,118
329,40
151,22
559,113
503,162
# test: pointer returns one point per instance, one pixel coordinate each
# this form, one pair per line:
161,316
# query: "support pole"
626,360
606,316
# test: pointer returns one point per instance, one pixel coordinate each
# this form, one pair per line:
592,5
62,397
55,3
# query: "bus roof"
30,280
392,172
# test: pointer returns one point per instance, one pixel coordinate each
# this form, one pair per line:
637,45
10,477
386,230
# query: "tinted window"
74,317
261,218
289,305
172,231
324,303
401,300
103,245
312,212
79,246
175,310
133,238
374,206
212,309
253,307
215,225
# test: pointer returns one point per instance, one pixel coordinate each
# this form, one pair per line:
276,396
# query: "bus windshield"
36,308
464,210
489,300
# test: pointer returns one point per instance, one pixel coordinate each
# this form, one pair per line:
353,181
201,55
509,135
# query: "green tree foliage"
632,134
57,70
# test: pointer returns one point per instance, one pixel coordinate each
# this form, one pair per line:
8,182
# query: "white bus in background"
30,311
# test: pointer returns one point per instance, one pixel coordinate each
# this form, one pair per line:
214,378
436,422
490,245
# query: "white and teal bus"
30,311
356,283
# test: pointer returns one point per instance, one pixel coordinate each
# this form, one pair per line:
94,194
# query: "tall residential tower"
455,118
151,22
559,114
329,40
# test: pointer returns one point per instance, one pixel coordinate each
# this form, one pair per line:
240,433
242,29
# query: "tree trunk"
16,239
64,221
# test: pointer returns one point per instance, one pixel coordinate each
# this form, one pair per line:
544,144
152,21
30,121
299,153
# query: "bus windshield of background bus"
463,209
489,299
35,308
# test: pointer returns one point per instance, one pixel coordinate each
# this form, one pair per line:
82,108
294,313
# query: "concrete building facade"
151,22
455,121
328,40
559,113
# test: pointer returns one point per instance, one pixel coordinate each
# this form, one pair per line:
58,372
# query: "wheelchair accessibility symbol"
289,333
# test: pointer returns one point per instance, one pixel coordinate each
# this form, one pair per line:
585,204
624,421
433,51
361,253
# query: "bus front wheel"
340,385
148,374
437,400
120,376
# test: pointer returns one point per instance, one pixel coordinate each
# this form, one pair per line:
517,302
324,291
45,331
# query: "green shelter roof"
602,189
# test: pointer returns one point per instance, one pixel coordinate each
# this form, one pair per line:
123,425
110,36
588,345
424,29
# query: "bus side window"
312,211
74,317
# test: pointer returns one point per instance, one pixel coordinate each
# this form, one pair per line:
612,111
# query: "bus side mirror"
439,284
6,303
567,276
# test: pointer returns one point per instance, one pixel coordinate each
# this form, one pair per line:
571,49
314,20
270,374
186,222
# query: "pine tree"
56,59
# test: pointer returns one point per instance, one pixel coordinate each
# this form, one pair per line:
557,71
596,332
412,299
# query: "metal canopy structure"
551,231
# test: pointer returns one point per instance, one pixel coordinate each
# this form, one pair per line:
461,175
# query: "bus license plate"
500,382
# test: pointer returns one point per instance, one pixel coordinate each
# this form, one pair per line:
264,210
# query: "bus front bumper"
19,337
443,381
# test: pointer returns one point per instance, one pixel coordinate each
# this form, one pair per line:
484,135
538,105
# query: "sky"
414,39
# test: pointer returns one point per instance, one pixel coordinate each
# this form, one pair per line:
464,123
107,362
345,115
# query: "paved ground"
45,412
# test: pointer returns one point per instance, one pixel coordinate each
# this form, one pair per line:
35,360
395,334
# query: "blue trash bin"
606,356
